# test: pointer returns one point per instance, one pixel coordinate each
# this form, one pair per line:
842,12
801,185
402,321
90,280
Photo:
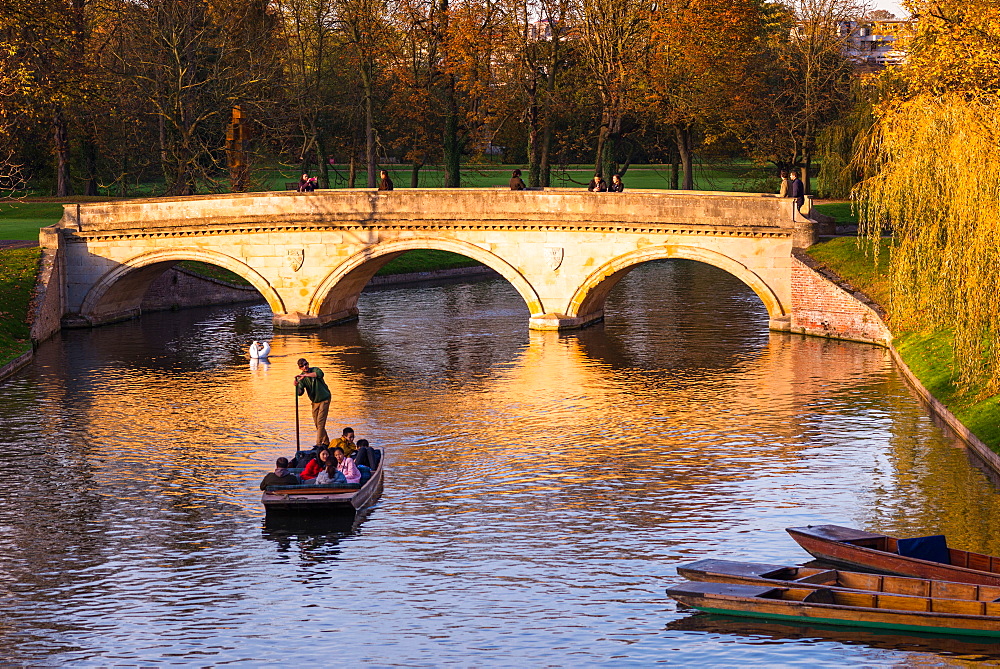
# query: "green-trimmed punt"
797,620
846,608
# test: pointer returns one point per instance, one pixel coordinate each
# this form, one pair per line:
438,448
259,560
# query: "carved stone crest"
295,258
553,257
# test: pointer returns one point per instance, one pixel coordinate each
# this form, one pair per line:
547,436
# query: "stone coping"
15,365
439,207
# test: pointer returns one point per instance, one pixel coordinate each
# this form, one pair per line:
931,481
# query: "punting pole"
298,447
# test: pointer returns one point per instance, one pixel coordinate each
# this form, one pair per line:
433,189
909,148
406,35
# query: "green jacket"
315,388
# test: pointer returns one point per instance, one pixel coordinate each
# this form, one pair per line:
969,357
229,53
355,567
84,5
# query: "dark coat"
517,184
797,190
616,187
385,184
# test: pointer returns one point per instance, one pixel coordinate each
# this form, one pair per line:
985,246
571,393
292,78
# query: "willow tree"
936,184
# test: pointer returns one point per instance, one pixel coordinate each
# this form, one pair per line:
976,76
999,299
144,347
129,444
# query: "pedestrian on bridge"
515,181
796,189
310,381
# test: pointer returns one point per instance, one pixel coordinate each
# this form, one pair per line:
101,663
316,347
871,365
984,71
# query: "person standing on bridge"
310,381
385,182
515,181
796,189
616,184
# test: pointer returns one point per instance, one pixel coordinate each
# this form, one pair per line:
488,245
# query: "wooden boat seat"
820,596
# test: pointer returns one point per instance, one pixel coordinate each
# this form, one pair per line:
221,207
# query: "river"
541,488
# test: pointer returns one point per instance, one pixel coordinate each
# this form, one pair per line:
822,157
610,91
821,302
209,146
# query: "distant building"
540,31
876,43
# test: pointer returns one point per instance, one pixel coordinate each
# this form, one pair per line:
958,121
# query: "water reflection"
540,488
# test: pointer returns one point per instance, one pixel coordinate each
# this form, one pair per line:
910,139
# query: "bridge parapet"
330,208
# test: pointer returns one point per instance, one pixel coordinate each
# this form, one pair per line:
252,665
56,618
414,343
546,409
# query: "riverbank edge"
938,409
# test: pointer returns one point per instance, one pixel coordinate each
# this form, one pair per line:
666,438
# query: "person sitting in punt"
280,475
330,475
346,466
366,455
346,442
316,465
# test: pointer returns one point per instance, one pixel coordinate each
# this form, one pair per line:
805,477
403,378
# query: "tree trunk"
545,166
807,174
452,144
415,174
322,164
675,171
682,137
370,162
534,148
352,173
90,166
60,138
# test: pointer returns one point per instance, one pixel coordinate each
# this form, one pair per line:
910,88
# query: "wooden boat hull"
844,546
756,573
759,602
328,500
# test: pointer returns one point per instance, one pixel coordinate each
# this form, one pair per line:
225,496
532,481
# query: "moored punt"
842,607
331,499
756,573
925,557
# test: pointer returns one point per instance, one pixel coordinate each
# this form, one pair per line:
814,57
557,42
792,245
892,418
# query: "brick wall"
825,305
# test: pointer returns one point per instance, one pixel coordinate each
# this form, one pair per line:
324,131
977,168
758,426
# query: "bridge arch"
337,295
119,292
589,298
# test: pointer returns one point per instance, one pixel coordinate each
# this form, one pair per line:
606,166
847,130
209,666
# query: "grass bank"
929,355
18,270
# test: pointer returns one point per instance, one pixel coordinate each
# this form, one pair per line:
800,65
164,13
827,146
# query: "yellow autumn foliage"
934,163
956,46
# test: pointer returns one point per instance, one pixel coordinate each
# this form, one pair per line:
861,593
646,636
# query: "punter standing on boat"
310,381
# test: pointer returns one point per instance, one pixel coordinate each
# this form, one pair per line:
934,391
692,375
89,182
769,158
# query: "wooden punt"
844,546
330,499
756,573
843,607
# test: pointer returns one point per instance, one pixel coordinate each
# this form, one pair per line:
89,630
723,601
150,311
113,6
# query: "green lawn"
18,270
842,211
21,220
927,354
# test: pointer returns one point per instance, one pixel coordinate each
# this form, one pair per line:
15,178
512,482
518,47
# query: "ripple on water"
540,488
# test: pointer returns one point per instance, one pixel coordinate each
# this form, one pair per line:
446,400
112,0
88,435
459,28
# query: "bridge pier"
564,322
297,320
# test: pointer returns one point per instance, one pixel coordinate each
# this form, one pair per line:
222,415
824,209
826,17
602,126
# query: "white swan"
260,350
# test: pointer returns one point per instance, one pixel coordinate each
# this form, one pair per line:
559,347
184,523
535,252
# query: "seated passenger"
280,475
346,442
315,466
366,455
330,475
346,466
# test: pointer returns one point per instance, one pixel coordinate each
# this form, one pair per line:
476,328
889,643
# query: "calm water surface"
540,488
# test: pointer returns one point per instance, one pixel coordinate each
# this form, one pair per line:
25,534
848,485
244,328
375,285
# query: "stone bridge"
310,255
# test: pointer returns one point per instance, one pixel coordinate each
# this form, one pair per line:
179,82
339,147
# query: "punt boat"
922,557
756,573
333,499
843,607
